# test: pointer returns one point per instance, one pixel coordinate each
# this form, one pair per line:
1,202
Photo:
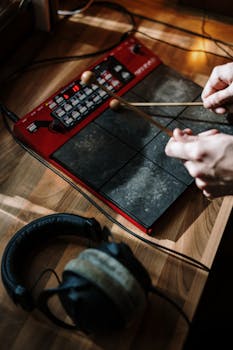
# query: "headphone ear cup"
112,296
123,253
102,289
88,306
28,237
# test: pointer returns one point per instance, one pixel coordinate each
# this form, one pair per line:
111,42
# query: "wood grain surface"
28,189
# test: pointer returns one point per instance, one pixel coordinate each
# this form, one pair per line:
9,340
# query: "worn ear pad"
103,288
40,231
124,291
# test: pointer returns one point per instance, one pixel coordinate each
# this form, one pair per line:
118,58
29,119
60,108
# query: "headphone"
104,288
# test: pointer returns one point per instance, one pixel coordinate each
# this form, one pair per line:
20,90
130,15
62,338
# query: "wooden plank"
194,226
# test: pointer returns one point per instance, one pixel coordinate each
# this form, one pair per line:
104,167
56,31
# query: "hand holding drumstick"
208,156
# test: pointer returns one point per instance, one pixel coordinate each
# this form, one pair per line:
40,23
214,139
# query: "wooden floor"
186,39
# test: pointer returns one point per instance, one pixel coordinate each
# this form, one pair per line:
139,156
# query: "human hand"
208,157
217,94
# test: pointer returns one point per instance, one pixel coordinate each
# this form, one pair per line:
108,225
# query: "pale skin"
208,156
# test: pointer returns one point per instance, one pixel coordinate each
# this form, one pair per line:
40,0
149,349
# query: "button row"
79,100
74,111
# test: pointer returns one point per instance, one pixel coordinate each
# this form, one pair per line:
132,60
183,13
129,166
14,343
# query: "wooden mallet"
114,104
89,78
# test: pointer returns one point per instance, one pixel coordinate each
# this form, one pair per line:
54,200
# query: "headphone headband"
36,232
103,288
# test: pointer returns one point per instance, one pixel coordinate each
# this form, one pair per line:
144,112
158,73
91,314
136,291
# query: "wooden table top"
194,225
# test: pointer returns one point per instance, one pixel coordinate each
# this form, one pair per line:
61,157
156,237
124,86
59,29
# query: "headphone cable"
157,292
35,155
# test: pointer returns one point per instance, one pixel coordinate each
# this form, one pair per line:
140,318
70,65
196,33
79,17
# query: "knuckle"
231,89
193,169
195,172
197,153
216,69
200,184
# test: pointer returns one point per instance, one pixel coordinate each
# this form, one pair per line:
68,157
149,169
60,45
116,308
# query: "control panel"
72,107
118,156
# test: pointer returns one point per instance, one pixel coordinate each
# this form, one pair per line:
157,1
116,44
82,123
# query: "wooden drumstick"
167,104
89,78
114,104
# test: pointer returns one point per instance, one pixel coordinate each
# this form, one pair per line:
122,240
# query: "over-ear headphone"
104,288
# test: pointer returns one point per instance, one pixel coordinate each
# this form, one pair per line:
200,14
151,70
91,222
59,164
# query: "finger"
215,190
219,110
177,150
178,134
195,169
187,150
201,184
209,132
219,98
207,194
215,82
208,184
185,135
199,169
188,131
227,108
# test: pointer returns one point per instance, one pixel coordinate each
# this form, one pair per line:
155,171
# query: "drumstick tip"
115,104
88,77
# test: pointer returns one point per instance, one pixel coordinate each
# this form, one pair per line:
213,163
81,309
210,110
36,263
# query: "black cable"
24,3
75,11
12,116
15,12
188,31
117,7
185,258
56,60
204,35
37,63
74,57
178,255
152,289
177,46
130,15
42,274
217,43
162,295
113,6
